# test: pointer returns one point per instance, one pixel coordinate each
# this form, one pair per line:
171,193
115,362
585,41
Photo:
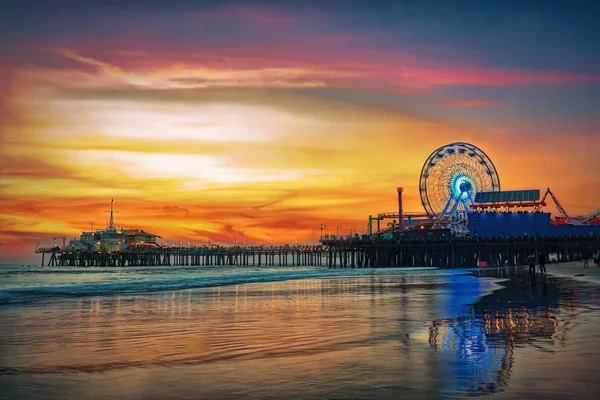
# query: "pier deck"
346,253
452,252
236,255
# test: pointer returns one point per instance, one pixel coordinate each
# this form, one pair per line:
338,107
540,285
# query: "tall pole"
400,209
111,220
111,224
322,226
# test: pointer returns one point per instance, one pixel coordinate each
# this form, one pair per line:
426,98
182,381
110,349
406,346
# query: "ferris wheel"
450,177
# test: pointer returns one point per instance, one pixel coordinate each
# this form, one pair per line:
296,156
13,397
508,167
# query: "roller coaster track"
559,206
591,216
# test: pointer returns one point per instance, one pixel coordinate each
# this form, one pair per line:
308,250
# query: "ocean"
222,332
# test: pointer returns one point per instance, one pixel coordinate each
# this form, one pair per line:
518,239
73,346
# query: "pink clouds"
249,45
469,104
277,66
478,76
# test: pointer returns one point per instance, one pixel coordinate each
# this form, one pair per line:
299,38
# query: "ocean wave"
32,293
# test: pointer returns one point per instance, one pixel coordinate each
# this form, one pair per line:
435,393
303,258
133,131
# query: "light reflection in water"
482,344
320,338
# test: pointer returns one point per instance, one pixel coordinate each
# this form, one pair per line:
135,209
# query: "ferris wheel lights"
449,181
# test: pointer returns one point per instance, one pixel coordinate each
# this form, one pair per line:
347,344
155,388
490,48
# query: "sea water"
222,332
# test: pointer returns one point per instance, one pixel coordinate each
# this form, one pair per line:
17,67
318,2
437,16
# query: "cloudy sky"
261,120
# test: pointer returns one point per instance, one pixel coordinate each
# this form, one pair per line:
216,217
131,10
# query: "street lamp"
323,226
337,230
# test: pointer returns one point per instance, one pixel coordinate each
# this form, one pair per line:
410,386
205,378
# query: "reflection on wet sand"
189,327
483,341
322,338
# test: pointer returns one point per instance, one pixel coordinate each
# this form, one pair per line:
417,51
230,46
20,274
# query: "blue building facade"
523,224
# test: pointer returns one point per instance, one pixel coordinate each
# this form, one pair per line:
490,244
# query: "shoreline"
571,269
567,269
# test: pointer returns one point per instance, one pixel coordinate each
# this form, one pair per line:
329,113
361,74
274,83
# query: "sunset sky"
259,121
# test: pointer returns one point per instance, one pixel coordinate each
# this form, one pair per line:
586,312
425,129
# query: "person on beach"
531,262
585,258
542,262
596,257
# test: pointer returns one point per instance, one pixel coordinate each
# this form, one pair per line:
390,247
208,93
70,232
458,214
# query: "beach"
575,270
303,333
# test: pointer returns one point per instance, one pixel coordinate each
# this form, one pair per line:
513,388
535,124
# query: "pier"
443,251
452,252
177,256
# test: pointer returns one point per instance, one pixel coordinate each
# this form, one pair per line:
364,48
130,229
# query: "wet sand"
385,335
574,268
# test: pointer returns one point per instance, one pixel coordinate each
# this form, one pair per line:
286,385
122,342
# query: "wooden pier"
177,256
450,252
445,252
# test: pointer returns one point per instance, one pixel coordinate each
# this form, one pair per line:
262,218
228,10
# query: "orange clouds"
247,143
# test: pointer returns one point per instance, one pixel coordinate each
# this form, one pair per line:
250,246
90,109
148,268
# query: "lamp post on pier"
323,226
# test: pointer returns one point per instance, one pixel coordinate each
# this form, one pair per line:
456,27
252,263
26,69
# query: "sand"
573,268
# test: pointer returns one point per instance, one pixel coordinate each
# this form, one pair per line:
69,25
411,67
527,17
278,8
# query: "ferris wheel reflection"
478,348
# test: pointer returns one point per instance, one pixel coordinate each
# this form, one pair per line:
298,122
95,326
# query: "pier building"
109,239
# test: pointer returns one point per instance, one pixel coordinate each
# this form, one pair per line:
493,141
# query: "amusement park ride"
458,179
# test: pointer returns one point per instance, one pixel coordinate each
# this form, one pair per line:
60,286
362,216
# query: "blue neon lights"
462,187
